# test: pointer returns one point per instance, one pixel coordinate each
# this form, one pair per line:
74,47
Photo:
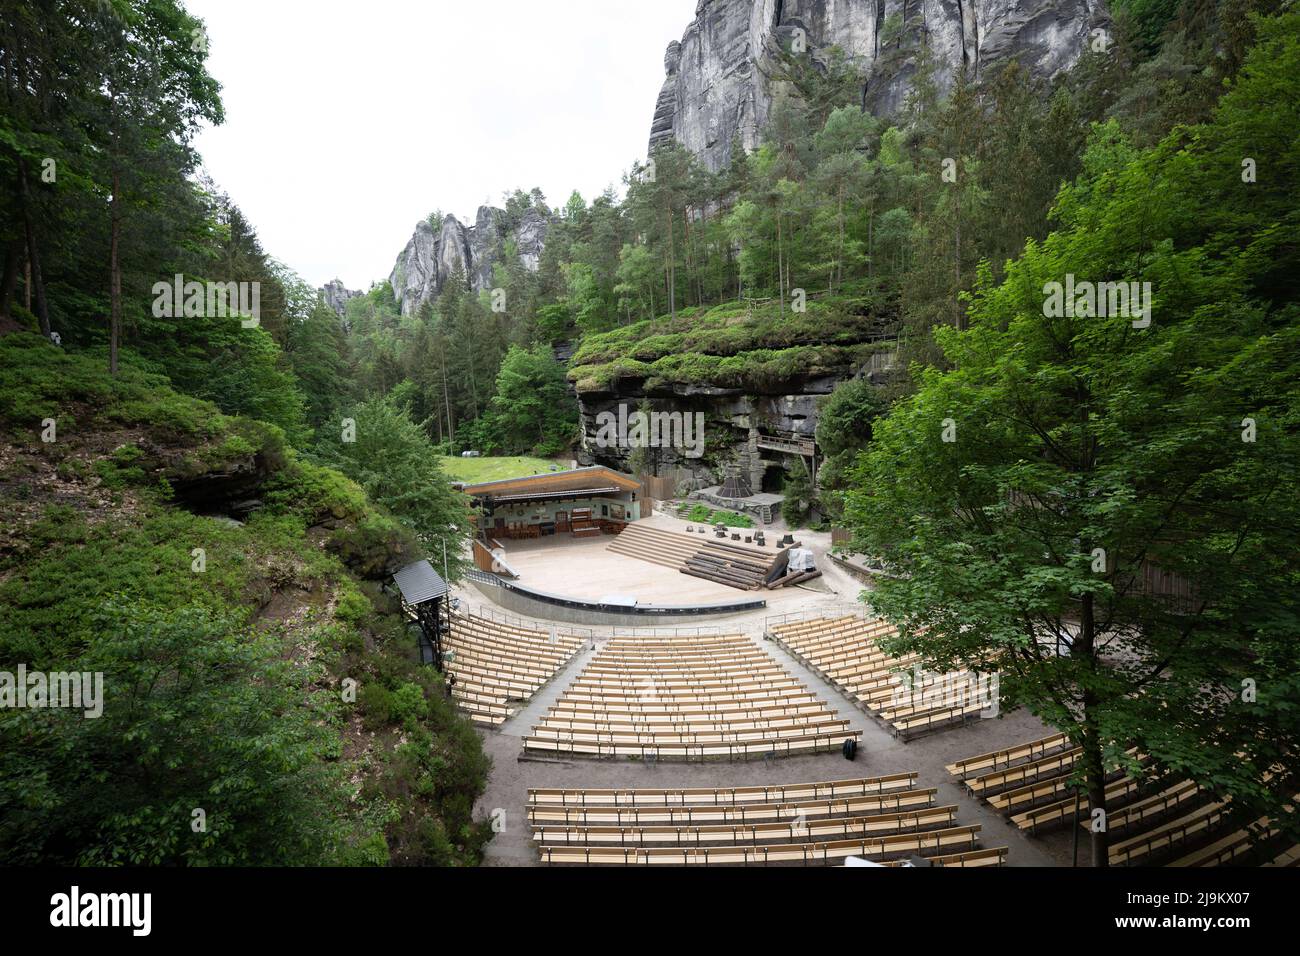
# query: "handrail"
811,614
500,617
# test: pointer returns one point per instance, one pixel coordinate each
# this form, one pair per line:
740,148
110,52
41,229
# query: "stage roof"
578,481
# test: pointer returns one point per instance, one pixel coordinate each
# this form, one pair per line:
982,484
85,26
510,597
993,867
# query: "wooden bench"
691,815
793,829
873,848
1168,835
491,664
999,759
723,796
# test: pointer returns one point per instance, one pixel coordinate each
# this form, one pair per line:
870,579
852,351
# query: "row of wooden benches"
881,818
844,652
493,666
686,697
1146,820
792,853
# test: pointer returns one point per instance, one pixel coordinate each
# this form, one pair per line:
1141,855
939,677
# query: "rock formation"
718,76
737,421
336,296
432,257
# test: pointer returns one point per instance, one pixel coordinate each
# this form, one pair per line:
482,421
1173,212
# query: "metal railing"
710,630
500,617
812,613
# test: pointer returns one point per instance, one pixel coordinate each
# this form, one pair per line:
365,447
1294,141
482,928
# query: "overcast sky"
348,121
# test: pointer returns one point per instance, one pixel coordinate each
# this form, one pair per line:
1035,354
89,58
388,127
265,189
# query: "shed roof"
418,583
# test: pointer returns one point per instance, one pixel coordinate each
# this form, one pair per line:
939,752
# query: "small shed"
424,600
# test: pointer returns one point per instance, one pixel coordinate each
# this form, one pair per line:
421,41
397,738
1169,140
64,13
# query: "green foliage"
1087,451
317,353
197,715
38,382
531,411
397,466
213,699
845,419
703,514
800,497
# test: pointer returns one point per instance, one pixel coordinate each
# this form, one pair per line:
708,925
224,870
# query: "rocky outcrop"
718,84
434,256
336,296
742,426
415,276
530,238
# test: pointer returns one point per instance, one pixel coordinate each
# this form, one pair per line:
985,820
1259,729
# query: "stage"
584,569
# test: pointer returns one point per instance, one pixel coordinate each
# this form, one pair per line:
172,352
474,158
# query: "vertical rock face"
453,250
336,296
431,258
488,236
415,277
718,76
530,238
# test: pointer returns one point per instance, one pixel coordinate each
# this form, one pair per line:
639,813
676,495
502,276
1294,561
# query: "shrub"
409,705
376,705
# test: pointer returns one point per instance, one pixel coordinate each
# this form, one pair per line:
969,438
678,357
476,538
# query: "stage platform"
583,568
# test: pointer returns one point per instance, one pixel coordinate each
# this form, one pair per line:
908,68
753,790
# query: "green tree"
532,410
198,713
393,460
1025,494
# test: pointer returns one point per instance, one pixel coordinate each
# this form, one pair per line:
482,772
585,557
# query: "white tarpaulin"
801,559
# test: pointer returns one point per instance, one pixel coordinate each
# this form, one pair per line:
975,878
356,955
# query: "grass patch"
703,514
475,470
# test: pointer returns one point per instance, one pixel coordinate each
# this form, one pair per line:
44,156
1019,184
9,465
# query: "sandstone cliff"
432,257
336,295
718,76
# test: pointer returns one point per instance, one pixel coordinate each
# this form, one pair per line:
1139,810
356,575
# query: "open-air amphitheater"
778,732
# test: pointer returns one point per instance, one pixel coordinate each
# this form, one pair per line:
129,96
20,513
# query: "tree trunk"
672,266
446,401
838,275
10,280
37,283
780,265
114,274
871,239
956,264
1094,771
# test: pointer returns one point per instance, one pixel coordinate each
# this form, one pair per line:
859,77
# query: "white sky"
349,121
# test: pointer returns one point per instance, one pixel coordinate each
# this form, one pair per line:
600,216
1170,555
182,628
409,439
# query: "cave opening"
773,478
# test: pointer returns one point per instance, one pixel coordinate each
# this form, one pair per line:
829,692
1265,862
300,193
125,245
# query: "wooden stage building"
582,502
